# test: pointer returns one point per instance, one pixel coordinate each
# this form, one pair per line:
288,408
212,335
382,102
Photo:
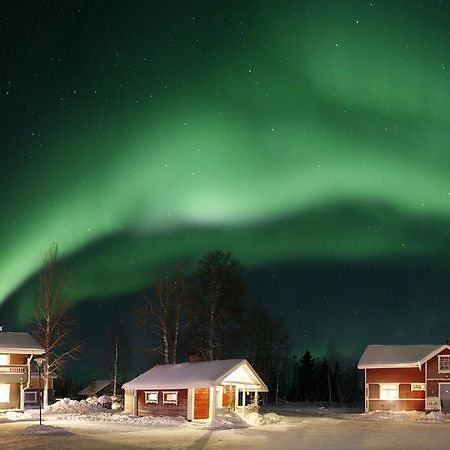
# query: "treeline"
207,311
328,379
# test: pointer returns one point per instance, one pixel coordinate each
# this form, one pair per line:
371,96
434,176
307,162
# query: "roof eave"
389,366
24,351
434,353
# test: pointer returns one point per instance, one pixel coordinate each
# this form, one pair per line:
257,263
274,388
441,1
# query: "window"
388,391
151,397
30,397
170,398
444,364
4,393
4,360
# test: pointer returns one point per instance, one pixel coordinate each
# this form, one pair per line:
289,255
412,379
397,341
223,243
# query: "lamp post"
39,363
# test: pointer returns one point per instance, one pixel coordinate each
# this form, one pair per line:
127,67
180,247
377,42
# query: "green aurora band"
313,132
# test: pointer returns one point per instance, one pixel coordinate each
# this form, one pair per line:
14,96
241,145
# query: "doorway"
444,393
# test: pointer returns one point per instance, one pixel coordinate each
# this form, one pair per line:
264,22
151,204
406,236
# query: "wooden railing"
13,369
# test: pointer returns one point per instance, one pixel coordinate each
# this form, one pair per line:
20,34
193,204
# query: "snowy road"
294,433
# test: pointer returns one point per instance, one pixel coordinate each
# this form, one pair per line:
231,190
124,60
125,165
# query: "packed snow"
66,405
319,428
45,429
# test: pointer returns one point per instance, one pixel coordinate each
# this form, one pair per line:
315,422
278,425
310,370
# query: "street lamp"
39,363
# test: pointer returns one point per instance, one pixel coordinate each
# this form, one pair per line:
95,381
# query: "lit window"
4,360
444,364
4,393
170,398
151,397
389,391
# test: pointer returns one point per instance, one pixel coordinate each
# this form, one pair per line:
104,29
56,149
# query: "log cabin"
18,384
406,377
194,390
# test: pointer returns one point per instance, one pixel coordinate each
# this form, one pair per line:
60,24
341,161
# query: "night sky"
309,139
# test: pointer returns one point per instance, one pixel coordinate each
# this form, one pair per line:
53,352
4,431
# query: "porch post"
190,403
366,392
22,396
135,402
212,403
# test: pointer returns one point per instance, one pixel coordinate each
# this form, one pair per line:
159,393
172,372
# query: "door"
444,393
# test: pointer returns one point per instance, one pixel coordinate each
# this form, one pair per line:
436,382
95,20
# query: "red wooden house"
194,390
407,377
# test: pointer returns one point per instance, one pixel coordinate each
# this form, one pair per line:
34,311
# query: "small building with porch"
406,377
194,390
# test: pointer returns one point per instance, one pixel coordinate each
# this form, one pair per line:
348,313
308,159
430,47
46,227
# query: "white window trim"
390,387
152,402
170,402
439,364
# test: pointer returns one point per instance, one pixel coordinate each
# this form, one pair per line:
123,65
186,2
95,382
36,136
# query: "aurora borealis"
310,139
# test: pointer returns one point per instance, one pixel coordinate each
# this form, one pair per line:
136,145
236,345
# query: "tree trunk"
45,374
166,344
329,383
175,337
116,359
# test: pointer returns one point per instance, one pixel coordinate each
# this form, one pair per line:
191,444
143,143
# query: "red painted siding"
404,391
432,367
374,391
201,403
402,375
408,400
151,409
397,405
432,388
17,359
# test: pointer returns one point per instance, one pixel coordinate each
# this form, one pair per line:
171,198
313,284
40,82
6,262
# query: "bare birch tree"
160,309
52,328
221,292
117,351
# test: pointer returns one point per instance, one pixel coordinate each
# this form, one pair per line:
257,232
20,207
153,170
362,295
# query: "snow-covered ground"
303,409
75,425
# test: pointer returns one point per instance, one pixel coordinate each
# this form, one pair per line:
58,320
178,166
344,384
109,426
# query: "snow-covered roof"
197,374
95,387
381,356
15,342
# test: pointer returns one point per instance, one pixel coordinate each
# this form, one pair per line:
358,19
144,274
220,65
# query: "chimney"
448,341
195,357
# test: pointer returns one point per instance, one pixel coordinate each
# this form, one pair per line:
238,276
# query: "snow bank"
111,417
228,421
403,416
15,416
255,419
232,420
435,417
66,405
45,429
